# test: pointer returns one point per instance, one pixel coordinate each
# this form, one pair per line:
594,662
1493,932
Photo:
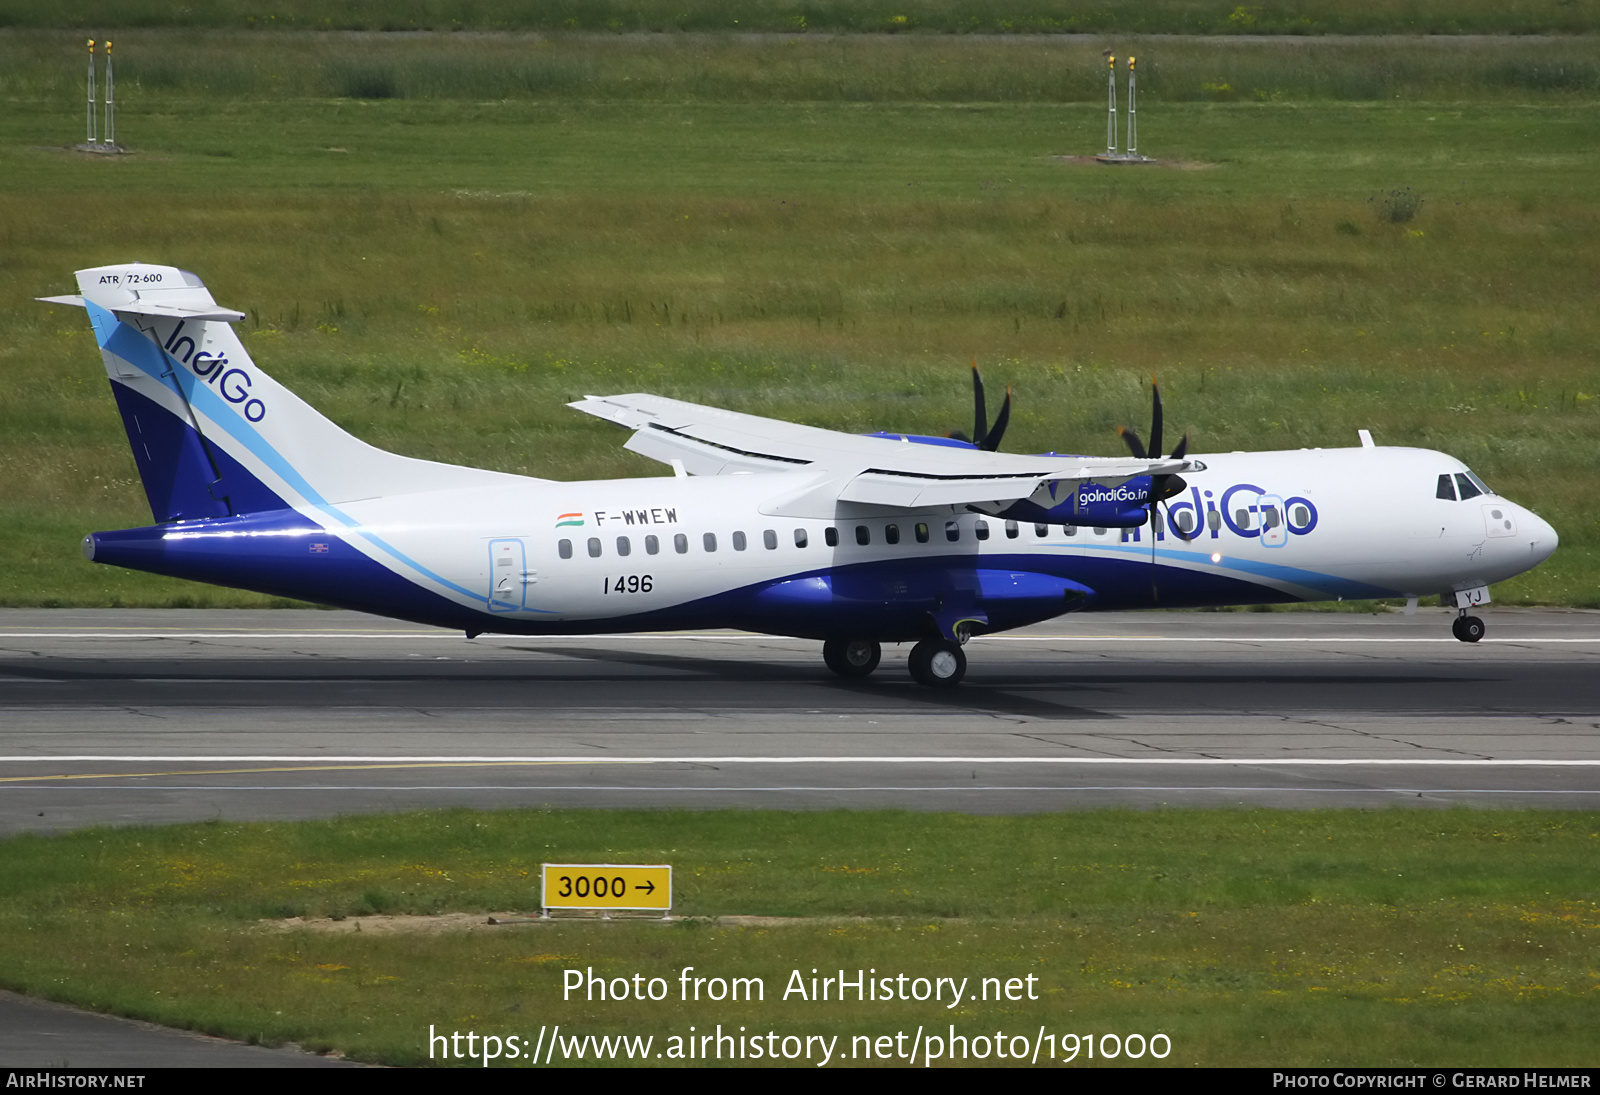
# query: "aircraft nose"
1541,539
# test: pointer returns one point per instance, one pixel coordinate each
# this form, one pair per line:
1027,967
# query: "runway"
116,717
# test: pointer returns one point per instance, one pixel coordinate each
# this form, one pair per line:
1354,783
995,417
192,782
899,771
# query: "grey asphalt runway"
112,717
38,1034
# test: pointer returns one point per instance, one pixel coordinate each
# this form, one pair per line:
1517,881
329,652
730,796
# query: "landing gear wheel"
1469,629
851,657
937,663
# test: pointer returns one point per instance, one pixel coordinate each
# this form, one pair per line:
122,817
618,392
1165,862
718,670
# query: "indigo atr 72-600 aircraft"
766,526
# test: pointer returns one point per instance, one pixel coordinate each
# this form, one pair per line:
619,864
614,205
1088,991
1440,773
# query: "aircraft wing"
851,467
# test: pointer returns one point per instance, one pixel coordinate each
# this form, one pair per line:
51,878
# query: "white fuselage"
1295,525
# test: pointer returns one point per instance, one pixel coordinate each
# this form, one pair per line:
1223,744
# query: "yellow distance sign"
607,886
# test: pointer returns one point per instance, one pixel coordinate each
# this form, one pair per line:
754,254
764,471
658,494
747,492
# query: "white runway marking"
832,789
1280,762
388,636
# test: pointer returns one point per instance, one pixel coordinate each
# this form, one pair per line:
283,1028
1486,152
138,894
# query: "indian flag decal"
569,519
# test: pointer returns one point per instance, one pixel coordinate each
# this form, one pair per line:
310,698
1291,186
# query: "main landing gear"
1469,629
936,663
851,657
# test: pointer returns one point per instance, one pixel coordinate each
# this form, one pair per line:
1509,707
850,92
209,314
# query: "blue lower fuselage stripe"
284,553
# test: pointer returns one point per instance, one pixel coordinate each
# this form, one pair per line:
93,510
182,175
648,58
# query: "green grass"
440,275
729,68
1248,937
1301,17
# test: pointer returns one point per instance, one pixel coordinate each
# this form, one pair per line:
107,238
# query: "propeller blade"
1183,447
992,442
1135,446
1155,416
980,413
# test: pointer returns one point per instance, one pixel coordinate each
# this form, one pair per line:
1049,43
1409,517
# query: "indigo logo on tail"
231,382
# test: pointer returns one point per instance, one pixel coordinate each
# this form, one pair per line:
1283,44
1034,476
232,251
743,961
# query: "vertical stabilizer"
212,434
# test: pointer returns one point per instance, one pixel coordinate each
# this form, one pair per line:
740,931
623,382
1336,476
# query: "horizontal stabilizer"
156,308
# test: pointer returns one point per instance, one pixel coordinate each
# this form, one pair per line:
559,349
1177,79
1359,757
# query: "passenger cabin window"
891,534
564,549
1241,517
623,546
1184,522
680,544
710,541
1213,520
922,533
1011,530
1269,516
770,538
652,545
982,528
952,531
800,539
831,536
1447,489
1070,530
594,547
1302,517
738,541
863,535
1041,531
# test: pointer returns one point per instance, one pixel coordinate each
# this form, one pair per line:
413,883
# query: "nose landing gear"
1469,629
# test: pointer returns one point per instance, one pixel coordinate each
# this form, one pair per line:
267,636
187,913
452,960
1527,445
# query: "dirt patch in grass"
385,924
1102,161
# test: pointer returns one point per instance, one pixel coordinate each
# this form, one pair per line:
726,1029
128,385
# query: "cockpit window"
1469,489
1447,489
1479,483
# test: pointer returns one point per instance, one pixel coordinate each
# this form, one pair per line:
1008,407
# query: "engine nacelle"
1091,504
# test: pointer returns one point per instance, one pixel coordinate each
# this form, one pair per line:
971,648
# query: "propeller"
984,436
1162,487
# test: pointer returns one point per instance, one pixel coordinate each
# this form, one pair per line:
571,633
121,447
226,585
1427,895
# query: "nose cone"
1538,535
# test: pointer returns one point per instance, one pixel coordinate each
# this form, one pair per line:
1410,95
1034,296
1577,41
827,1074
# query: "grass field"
442,268
1300,17
1246,937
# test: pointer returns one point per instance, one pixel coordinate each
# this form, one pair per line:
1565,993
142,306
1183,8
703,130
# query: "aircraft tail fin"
211,433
